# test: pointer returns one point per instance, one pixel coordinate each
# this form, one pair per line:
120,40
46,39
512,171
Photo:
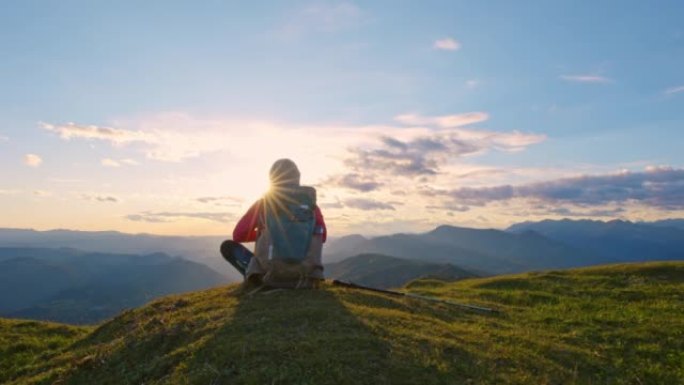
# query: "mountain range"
522,247
383,271
202,249
483,252
526,246
78,287
618,240
83,277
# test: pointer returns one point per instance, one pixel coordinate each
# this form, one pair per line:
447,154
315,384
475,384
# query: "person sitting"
289,231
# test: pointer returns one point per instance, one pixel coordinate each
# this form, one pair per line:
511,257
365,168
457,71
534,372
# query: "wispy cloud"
32,160
344,159
674,90
575,211
114,135
423,152
472,83
444,121
367,204
596,79
660,187
4,138
171,144
221,201
448,207
446,44
108,162
161,217
354,181
100,198
129,162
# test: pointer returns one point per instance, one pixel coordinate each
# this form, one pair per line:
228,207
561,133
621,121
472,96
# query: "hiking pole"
352,285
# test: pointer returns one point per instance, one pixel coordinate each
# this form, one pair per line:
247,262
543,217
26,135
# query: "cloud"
569,210
596,79
146,217
129,162
354,181
114,135
659,187
331,205
42,193
423,152
4,138
480,172
161,143
674,90
100,198
367,204
574,212
177,137
361,158
444,121
221,201
446,44
448,207
108,162
162,217
32,160
482,195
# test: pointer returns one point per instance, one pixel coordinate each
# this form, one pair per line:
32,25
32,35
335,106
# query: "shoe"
252,283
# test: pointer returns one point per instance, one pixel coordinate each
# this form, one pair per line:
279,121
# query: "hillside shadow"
320,336
292,337
313,337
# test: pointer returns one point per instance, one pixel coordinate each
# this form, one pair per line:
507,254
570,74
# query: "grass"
620,324
26,345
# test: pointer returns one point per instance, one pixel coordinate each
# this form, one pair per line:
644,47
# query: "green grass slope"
621,324
26,345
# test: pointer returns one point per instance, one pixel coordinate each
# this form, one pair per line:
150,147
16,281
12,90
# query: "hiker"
289,232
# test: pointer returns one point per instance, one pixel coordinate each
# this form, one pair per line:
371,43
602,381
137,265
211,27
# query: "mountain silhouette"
74,286
202,249
479,251
387,272
617,240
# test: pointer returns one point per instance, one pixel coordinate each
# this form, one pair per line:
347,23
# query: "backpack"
288,250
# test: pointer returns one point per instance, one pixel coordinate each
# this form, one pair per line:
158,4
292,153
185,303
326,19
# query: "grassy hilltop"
620,324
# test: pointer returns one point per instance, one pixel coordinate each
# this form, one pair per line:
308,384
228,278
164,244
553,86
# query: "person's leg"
237,255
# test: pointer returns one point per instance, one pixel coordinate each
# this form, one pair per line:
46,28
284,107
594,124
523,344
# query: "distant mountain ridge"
522,247
622,241
479,251
390,272
202,249
69,285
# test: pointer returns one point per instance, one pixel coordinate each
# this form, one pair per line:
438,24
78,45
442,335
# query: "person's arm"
246,229
320,223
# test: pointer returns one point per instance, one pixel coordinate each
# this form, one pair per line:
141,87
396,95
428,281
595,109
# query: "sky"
164,116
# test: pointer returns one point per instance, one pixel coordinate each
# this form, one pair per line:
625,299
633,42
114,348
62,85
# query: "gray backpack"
288,248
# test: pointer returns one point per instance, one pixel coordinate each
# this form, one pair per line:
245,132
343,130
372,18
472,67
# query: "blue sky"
210,92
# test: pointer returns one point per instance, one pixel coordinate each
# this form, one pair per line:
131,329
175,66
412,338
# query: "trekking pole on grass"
411,295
